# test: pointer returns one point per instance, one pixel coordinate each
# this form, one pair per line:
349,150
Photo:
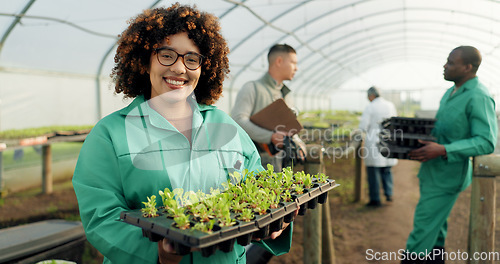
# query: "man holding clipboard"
257,95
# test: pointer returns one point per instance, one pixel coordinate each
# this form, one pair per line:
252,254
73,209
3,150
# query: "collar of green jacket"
469,84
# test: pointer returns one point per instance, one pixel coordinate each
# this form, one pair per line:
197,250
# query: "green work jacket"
134,153
467,126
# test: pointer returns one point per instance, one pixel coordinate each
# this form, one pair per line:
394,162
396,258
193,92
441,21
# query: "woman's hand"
166,253
276,234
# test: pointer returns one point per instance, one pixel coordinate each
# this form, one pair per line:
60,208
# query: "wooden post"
47,169
312,219
318,235
328,251
359,173
483,206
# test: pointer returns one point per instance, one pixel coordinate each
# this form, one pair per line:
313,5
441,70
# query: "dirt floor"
356,228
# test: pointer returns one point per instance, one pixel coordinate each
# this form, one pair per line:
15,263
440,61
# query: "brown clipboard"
277,117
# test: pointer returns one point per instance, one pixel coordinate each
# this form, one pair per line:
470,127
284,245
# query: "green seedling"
202,213
299,189
238,206
150,209
182,221
308,183
286,196
322,178
205,227
246,215
226,220
166,196
176,211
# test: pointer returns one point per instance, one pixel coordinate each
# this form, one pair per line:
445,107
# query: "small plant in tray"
182,221
237,205
274,198
262,207
299,189
322,178
308,181
226,220
176,211
150,209
201,212
246,215
286,196
206,227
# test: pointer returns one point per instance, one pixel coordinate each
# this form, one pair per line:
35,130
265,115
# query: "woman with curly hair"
173,62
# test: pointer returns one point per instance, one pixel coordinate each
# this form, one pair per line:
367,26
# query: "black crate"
393,151
223,238
400,135
404,140
409,125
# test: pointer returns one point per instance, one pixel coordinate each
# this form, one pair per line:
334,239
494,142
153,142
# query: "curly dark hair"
148,30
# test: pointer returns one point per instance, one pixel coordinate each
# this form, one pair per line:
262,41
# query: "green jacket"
133,153
467,126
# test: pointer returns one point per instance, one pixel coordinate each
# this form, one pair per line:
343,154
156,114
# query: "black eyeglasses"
167,57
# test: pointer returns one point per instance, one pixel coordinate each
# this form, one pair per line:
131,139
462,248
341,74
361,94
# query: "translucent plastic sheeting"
337,42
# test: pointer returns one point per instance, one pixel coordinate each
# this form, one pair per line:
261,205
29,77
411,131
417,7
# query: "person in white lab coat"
378,168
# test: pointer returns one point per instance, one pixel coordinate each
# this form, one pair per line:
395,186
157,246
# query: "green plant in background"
31,156
345,194
52,209
39,131
150,209
325,119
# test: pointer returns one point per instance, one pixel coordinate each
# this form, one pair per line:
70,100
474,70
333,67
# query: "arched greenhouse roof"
341,44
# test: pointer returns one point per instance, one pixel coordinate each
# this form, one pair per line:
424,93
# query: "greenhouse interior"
57,57
62,51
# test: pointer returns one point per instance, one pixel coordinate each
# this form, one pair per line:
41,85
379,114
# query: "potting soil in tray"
223,238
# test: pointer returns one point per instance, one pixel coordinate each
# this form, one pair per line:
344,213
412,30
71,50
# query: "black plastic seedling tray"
405,140
395,152
223,238
409,125
400,135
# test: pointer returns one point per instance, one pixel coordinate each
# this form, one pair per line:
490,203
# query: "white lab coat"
378,110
